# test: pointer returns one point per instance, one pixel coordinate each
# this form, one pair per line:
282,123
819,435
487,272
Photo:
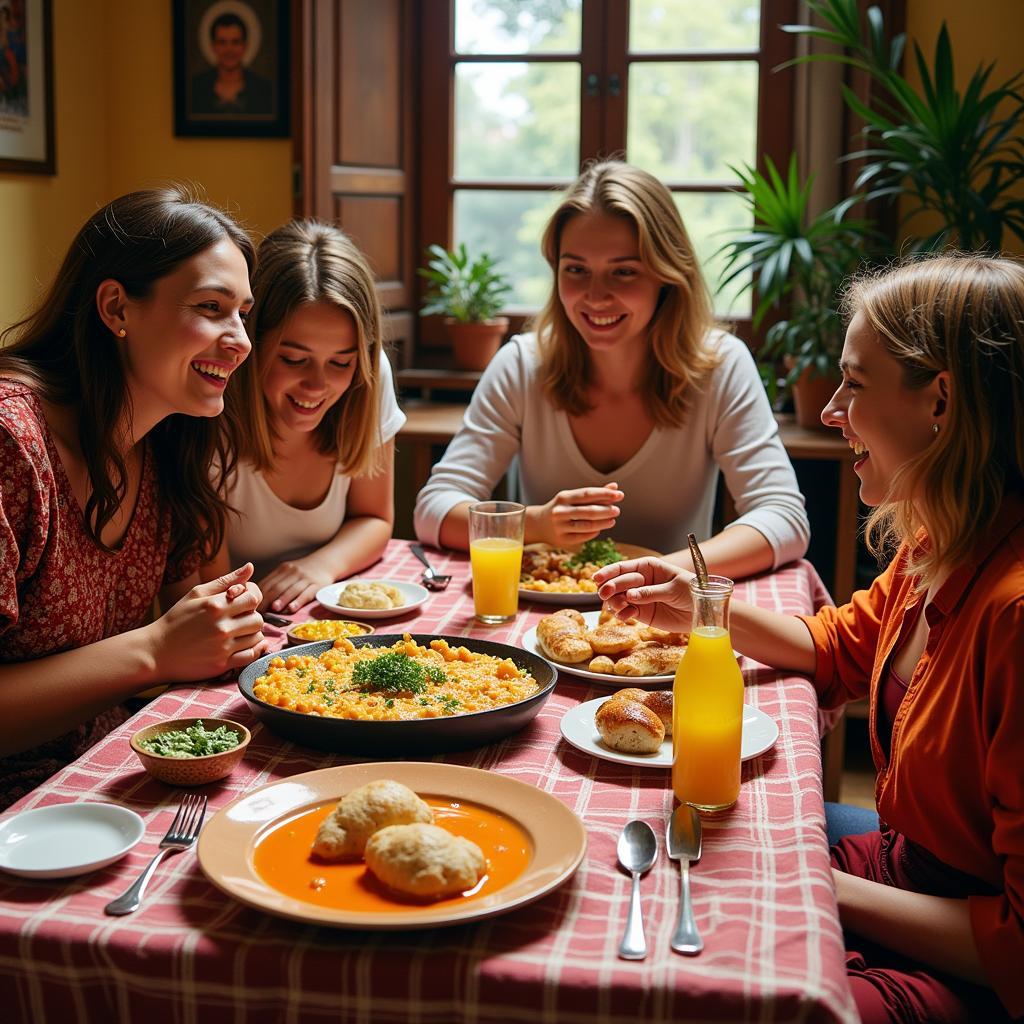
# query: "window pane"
517,120
688,122
659,25
710,217
517,26
508,225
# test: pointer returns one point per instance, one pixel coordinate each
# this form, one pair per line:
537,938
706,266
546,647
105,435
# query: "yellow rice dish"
408,681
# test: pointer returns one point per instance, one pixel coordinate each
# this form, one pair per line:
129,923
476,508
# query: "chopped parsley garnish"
600,551
450,704
300,672
393,672
436,674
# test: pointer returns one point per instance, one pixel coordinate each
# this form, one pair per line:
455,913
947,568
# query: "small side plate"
67,839
414,595
578,729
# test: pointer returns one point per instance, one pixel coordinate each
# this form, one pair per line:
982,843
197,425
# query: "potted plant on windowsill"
798,263
470,294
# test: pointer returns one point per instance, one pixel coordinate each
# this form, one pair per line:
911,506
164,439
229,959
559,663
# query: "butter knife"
682,839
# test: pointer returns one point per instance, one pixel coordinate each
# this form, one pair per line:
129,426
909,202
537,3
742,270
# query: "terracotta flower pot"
474,345
811,394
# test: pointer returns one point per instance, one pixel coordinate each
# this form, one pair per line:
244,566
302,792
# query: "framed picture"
230,67
26,87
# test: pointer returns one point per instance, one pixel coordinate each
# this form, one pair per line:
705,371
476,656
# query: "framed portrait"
26,87
231,67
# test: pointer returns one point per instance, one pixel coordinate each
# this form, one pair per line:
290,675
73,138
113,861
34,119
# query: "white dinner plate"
67,839
529,642
581,600
759,734
413,593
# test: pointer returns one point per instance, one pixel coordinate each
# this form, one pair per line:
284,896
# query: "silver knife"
682,837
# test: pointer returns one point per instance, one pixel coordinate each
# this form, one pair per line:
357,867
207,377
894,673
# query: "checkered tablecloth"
762,891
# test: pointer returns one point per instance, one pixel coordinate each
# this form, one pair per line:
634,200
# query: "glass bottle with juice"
496,556
707,715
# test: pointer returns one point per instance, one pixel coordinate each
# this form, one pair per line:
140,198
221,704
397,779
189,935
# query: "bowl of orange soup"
397,693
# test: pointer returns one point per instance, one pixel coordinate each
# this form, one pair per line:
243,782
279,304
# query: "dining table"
763,894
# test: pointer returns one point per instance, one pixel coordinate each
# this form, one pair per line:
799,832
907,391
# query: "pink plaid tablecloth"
762,891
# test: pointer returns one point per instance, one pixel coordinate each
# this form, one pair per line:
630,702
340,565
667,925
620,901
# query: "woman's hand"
215,627
293,584
649,589
572,517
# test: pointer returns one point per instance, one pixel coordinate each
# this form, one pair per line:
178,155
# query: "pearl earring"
935,429
122,333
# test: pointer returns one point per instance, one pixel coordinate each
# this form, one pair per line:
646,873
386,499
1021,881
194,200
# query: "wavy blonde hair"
679,358
964,314
303,262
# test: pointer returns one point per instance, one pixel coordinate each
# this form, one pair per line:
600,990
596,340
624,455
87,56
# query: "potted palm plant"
469,293
954,154
797,264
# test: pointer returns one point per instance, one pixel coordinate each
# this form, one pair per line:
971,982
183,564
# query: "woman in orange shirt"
932,401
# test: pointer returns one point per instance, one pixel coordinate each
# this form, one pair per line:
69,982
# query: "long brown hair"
964,314
69,357
302,262
679,358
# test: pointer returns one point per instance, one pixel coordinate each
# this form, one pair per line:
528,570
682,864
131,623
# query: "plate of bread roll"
598,646
634,726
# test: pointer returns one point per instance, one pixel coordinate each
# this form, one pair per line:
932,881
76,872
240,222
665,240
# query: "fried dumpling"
424,860
362,812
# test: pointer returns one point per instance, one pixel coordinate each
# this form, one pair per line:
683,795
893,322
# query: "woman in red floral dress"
107,393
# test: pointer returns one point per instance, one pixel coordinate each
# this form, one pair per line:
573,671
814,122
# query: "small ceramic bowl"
190,771
330,629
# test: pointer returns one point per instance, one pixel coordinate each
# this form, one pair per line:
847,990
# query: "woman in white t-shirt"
625,403
313,419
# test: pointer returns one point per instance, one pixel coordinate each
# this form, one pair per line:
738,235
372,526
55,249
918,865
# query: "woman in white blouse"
313,419
625,402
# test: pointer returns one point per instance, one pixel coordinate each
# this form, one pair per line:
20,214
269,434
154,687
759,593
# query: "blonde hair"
679,358
963,314
303,262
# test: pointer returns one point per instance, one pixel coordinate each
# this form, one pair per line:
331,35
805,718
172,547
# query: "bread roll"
613,638
602,663
344,832
660,702
562,636
629,726
649,659
424,860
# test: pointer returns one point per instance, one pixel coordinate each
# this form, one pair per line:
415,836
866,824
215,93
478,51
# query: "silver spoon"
431,580
637,850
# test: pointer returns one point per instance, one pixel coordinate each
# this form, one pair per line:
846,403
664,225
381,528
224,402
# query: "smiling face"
312,362
886,423
608,294
185,338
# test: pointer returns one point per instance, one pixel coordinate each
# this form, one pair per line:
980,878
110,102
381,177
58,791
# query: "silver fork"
180,836
432,579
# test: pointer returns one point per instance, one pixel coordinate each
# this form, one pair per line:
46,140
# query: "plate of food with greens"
563,576
397,693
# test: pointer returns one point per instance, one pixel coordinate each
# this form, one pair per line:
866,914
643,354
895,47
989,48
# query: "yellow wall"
982,32
114,133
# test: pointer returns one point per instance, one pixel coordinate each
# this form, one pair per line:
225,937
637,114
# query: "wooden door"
355,69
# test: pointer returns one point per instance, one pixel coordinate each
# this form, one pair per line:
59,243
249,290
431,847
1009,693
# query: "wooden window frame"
602,124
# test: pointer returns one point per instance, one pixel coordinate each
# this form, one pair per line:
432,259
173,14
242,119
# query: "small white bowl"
67,839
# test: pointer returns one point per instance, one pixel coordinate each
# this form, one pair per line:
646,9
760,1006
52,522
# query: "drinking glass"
496,555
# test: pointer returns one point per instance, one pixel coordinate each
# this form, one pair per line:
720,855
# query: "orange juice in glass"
707,714
496,556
